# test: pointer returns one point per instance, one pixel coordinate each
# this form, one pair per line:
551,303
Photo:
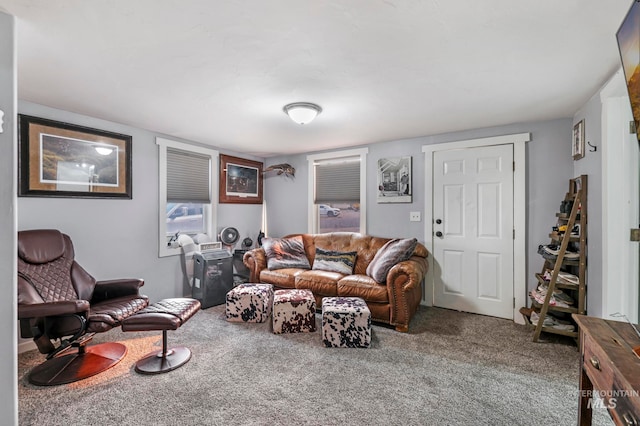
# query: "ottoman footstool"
167,314
294,311
249,303
346,322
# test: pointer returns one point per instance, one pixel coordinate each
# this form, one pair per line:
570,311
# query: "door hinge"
514,233
514,166
632,127
514,303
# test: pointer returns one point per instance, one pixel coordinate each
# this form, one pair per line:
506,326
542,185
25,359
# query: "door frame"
620,291
518,142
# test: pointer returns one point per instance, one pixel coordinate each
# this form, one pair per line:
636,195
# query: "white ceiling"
220,71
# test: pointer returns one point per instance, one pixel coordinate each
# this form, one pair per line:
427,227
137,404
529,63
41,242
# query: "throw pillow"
394,251
285,253
335,261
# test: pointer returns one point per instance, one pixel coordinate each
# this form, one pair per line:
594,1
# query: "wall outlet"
414,216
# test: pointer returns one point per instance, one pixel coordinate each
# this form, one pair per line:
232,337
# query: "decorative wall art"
578,140
394,180
64,160
240,180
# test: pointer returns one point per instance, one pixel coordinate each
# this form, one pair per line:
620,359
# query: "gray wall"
119,238
591,165
549,168
8,249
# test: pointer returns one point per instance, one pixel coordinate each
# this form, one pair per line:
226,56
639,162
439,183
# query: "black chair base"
69,368
163,361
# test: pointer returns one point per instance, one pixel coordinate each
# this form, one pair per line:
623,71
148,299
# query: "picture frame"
57,159
241,180
394,184
578,141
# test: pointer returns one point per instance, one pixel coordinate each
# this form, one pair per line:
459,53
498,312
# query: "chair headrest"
40,245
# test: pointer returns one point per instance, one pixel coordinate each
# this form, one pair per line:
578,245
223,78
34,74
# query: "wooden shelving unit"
577,195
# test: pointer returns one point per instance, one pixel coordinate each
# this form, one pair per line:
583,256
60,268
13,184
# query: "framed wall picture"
64,160
240,180
394,180
578,140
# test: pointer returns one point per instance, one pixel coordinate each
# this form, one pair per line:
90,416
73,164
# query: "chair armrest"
52,309
256,261
111,289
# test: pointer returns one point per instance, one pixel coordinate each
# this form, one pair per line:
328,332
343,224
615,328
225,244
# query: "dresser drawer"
622,411
596,363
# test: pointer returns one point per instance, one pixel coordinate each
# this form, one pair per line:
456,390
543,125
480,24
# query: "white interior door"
473,230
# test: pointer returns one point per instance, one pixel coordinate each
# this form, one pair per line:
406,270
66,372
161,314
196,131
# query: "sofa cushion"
322,283
334,261
285,253
394,251
283,278
363,286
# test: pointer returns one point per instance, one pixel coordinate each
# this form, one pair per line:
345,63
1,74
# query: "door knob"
438,234
438,221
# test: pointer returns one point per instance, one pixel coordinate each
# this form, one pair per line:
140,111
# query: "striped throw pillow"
335,261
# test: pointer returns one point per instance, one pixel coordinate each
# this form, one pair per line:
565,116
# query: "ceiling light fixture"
302,112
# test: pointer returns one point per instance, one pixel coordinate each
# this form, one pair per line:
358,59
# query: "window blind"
337,182
188,177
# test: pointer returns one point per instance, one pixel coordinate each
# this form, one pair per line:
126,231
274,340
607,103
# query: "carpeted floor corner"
451,368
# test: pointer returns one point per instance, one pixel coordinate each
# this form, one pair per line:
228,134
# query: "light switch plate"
414,216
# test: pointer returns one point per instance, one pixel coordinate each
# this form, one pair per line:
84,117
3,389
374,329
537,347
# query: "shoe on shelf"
567,278
571,255
551,322
558,295
553,301
563,277
561,296
551,251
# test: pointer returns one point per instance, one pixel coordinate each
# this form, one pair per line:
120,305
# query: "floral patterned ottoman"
346,322
249,303
294,311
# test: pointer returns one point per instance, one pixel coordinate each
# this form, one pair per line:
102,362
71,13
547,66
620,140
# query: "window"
337,191
188,190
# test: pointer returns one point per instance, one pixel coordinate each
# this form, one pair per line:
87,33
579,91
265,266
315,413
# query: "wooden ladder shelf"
576,265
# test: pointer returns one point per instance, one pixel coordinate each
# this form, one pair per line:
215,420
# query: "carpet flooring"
452,368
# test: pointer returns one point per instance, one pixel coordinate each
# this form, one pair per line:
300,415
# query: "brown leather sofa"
394,302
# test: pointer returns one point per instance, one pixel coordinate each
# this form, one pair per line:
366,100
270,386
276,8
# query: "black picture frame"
394,183
58,159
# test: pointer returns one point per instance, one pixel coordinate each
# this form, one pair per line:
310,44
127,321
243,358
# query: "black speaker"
242,273
212,277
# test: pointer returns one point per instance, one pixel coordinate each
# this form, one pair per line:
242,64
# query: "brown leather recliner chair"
59,302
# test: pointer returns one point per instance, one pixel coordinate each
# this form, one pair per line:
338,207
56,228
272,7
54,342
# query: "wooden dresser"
609,368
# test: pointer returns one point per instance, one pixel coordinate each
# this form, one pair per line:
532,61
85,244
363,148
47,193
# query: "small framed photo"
240,180
578,141
64,160
394,180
